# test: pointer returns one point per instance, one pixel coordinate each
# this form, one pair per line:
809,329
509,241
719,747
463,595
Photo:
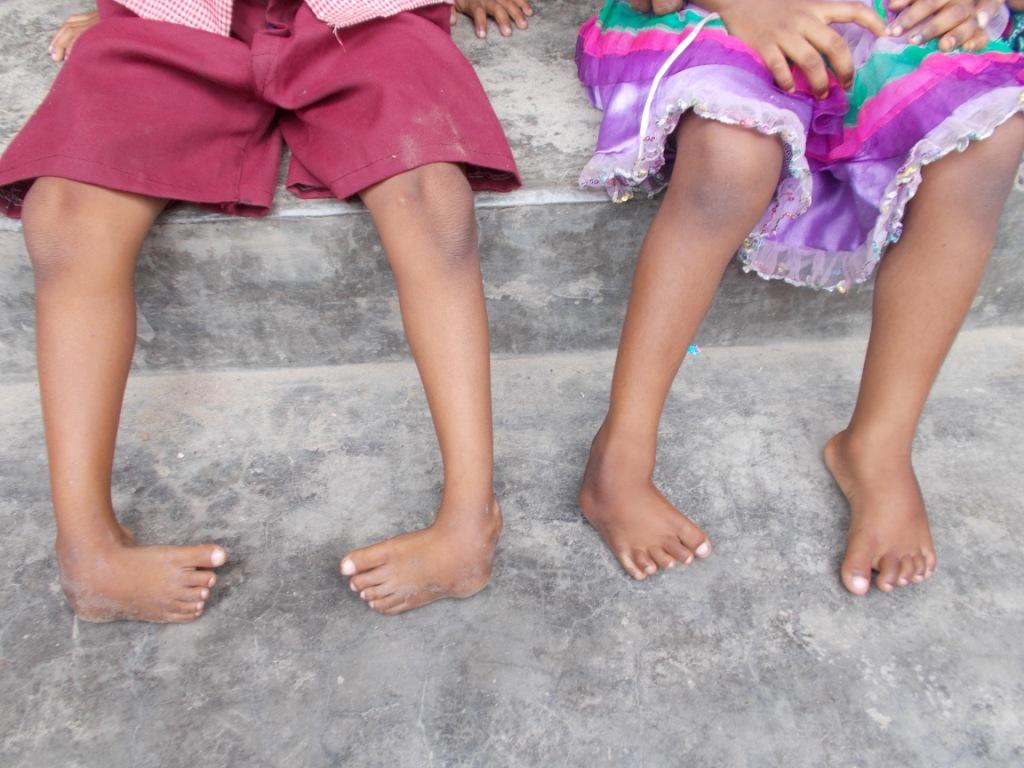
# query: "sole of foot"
450,559
889,534
119,580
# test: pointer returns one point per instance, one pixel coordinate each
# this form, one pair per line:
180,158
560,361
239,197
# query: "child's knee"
54,218
1002,150
721,165
439,198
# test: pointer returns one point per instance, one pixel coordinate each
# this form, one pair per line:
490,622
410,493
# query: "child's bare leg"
83,241
723,181
427,223
924,289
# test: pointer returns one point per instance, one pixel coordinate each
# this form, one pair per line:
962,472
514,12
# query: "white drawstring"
645,118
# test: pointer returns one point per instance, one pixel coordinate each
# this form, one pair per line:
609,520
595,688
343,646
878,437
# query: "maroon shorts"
165,110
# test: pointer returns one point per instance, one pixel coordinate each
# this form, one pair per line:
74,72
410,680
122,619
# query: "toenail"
348,567
219,557
860,584
703,550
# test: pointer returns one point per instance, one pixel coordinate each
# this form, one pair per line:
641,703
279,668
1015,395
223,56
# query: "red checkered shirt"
215,15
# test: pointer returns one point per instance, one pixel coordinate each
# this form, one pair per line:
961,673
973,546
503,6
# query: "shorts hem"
16,180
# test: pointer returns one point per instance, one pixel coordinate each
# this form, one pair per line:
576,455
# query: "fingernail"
352,586
348,567
219,557
948,43
860,584
983,18
370,603
205,593
481,34
651,569
671,565
916,39
362,595
895,30
703,550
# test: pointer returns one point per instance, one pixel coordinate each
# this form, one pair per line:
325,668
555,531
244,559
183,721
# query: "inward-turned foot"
642,528
451,558
889,530
114,578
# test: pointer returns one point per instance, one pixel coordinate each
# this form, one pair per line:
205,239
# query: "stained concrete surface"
756,657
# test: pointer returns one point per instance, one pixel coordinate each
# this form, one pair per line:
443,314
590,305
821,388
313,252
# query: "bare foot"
447,559
888,524
640,526
118,579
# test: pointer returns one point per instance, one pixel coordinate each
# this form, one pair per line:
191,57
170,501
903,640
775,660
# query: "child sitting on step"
898,156
190,100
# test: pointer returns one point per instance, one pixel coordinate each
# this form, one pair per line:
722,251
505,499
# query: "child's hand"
798,31
504,12
960,23
70,31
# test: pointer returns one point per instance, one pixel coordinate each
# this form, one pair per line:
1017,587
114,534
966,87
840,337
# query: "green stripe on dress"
620,17
883,68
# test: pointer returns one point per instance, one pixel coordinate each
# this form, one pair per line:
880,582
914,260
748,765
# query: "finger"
942,25
802,53
855,13
977,42
502,20
834,48
776,62
959,35
643,6
914,15
527,8
987,9
896,5
663,7
480,21
515,12
59,46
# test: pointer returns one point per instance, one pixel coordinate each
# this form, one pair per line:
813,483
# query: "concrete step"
561,654
310,286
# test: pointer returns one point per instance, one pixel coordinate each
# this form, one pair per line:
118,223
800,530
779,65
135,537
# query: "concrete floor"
754,658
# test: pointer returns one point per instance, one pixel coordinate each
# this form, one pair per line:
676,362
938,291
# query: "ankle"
620,456
468,510
866,445
73,541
